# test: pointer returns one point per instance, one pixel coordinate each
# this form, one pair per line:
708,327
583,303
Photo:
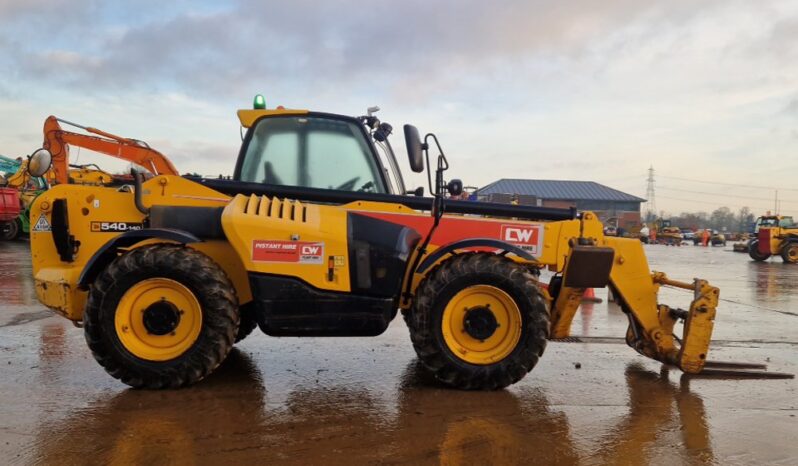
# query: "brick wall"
625,220
558,204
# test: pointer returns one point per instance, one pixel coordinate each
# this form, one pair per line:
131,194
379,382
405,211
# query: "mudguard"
106,254
432,258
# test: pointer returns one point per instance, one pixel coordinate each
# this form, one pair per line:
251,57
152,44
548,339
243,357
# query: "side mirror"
418,192
40,162
415,149
455,187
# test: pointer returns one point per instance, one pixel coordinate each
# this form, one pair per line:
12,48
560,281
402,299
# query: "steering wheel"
368,187
348,185
270,177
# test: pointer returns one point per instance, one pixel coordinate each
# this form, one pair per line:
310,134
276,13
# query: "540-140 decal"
115,227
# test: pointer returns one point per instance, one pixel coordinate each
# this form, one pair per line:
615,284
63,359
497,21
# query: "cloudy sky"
703,91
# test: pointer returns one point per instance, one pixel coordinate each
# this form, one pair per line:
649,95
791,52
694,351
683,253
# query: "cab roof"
248,117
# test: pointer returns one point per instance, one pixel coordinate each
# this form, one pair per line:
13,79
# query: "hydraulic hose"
137,177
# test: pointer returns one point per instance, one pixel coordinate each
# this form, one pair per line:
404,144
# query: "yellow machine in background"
14,176
670,235
316,236
775,235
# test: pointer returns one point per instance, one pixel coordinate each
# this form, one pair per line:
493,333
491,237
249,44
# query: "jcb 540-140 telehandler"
316,235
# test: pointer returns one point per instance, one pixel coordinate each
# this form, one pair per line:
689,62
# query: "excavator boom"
57,141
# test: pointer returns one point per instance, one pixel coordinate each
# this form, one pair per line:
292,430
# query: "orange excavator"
57,141
19,185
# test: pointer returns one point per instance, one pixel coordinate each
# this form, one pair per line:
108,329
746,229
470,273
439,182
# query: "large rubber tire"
753,252
202,276
10,230
789,253
425,321
248,321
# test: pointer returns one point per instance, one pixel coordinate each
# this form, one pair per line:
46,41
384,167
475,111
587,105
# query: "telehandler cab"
317,235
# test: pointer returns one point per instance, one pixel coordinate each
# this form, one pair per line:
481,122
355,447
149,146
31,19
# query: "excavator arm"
19,178
12,170
9,165
57,141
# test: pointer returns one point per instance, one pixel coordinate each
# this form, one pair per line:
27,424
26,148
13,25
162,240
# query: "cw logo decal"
311,250
520,235
528,237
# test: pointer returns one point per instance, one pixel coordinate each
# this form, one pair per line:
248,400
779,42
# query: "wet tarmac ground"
366,401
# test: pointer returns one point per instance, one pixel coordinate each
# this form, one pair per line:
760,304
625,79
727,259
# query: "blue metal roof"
558,189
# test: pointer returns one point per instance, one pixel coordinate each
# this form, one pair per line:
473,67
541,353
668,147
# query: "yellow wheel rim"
459,337
792,253
478,441
134,444
158,319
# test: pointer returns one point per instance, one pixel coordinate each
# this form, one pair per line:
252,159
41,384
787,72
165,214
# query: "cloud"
387,45
783,39
594,90
13,9
791,108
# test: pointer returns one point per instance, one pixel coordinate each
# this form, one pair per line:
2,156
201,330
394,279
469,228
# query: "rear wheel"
161,316
753,251
789,253
479,322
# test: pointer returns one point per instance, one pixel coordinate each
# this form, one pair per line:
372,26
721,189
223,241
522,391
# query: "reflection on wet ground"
16,285
227,420
365,401
775,282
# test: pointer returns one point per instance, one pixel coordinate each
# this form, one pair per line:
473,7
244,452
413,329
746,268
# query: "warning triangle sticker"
42,224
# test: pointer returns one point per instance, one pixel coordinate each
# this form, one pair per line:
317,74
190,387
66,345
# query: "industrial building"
612,206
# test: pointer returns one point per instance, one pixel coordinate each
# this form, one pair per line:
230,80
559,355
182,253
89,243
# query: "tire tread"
427,341
220,317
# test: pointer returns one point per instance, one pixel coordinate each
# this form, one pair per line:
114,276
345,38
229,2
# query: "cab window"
311,152
767,222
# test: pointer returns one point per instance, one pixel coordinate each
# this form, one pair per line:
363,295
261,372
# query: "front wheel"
753,251
789,253
479,322
161,316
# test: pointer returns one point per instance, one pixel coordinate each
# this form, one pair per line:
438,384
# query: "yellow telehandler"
775,234
316,234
